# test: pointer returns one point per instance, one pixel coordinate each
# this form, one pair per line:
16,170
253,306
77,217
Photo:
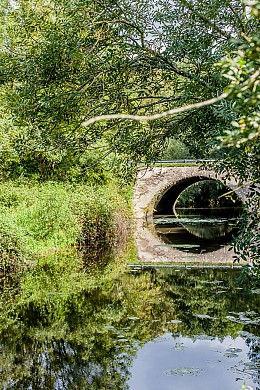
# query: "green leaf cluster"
244,89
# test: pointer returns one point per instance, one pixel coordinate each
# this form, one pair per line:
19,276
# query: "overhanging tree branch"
155,116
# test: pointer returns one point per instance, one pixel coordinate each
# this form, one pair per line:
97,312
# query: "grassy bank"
41,218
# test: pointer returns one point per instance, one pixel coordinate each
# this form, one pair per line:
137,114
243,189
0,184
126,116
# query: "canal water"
198,230
203,218
214,342
65,326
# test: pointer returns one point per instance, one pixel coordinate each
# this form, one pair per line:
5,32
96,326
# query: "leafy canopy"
65,61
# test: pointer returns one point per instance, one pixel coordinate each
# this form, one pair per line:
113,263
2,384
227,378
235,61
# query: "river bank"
42,218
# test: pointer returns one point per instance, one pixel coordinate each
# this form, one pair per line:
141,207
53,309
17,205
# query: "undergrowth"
38,219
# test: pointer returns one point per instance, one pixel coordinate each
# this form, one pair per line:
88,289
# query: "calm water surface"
198,230
215,344
135,328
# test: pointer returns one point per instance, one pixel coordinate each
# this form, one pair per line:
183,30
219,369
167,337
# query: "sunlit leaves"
244,75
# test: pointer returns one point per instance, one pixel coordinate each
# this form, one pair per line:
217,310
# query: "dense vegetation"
64,187
64,61
41,219
208,194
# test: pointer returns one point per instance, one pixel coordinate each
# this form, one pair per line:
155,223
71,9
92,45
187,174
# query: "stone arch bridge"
157,188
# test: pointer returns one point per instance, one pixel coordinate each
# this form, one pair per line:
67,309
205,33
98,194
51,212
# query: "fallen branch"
155,116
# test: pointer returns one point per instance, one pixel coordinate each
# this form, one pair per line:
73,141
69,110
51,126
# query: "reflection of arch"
202,221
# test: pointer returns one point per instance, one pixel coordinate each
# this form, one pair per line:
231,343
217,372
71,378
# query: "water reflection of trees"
59,364
66,328
253,368
215,294
211,292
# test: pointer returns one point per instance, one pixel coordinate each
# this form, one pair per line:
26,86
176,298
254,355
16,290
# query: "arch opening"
164,205
198,214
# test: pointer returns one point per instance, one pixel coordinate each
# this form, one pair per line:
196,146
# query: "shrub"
176,150
42,218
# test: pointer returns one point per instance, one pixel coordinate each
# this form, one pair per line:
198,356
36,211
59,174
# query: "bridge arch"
155,190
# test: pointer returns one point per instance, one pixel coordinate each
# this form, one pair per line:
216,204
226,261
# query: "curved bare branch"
155,116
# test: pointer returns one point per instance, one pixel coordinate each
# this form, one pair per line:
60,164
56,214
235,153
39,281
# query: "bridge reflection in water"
205,228
196,233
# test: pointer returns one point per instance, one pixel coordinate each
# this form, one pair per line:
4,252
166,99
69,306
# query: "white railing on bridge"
184,161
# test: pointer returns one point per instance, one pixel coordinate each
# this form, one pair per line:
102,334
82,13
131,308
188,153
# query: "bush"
176,150
42,218
11,248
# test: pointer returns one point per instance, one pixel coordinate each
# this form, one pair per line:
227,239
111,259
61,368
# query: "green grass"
36,219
